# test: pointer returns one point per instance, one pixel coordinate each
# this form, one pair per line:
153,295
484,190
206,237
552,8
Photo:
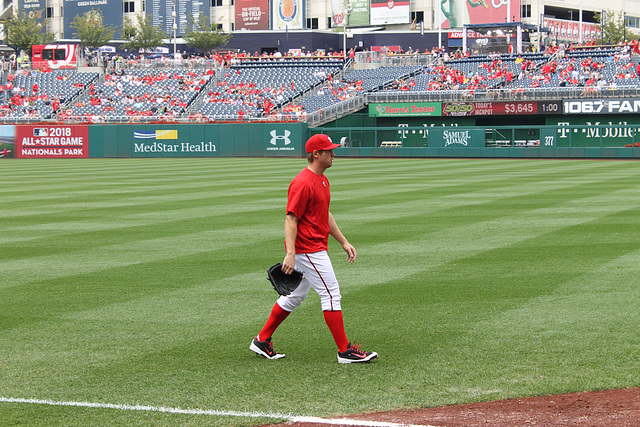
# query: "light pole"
540,25
347,12
603,18
580,34
508,20
175,28
440,28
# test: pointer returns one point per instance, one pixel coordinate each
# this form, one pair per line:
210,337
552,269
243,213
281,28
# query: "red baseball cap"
320,141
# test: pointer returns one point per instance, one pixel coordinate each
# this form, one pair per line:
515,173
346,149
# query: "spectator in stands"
561,50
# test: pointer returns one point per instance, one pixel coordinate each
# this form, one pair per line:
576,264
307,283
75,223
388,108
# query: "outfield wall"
153,140
447,139
571,128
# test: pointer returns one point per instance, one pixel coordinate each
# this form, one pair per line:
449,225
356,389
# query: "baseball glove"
284,284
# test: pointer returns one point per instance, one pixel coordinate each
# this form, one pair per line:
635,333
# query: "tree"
202,34
614,30
144,36
91,31
23,31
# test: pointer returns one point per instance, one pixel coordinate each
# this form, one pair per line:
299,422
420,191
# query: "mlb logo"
40,132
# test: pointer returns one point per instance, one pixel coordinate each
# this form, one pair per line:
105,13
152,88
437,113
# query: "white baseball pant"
319,275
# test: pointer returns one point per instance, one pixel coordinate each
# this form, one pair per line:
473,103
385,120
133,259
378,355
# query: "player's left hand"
351,252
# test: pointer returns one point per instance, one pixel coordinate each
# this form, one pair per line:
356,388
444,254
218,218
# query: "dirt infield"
600,408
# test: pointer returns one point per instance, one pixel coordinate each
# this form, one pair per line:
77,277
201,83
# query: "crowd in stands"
246,93
242,85
161,93
253,90
509,76
36,94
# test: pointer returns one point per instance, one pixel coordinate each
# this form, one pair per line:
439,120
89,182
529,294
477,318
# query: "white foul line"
146,408
165,409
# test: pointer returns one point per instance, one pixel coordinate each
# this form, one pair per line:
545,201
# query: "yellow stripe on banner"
167,134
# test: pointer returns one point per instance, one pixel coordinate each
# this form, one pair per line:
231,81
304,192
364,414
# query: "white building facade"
570,20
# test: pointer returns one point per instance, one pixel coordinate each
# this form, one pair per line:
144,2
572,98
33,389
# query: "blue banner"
33,8
111,13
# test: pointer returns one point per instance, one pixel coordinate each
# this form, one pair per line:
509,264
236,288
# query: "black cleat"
265,349
355,355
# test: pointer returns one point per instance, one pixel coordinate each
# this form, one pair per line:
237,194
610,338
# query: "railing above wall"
557,93
279,118
340,109
337,110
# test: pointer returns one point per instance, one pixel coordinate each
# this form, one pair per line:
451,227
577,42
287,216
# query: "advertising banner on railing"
461,109
501,108
602,106
51,141
405,109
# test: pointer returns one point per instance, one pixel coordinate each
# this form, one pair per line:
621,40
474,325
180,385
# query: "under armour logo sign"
275,137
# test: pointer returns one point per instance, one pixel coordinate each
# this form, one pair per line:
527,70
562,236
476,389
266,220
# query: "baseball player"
308,224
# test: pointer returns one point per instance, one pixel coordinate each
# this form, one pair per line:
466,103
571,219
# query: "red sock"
275,319
336,326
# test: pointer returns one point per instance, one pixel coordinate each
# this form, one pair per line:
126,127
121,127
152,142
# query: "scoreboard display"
501,108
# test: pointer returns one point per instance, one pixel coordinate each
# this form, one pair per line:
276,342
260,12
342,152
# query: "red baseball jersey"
308,200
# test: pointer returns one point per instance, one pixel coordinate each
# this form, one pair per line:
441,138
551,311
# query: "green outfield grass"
142,282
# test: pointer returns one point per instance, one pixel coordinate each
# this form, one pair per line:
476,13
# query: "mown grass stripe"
488,274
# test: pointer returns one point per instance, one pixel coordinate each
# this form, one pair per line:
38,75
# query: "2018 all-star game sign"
54,141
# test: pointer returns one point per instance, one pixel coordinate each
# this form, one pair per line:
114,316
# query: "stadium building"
255,23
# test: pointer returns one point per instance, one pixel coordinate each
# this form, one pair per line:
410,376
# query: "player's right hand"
289,263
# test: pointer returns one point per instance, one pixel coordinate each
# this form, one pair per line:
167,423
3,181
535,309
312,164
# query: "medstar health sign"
160,142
